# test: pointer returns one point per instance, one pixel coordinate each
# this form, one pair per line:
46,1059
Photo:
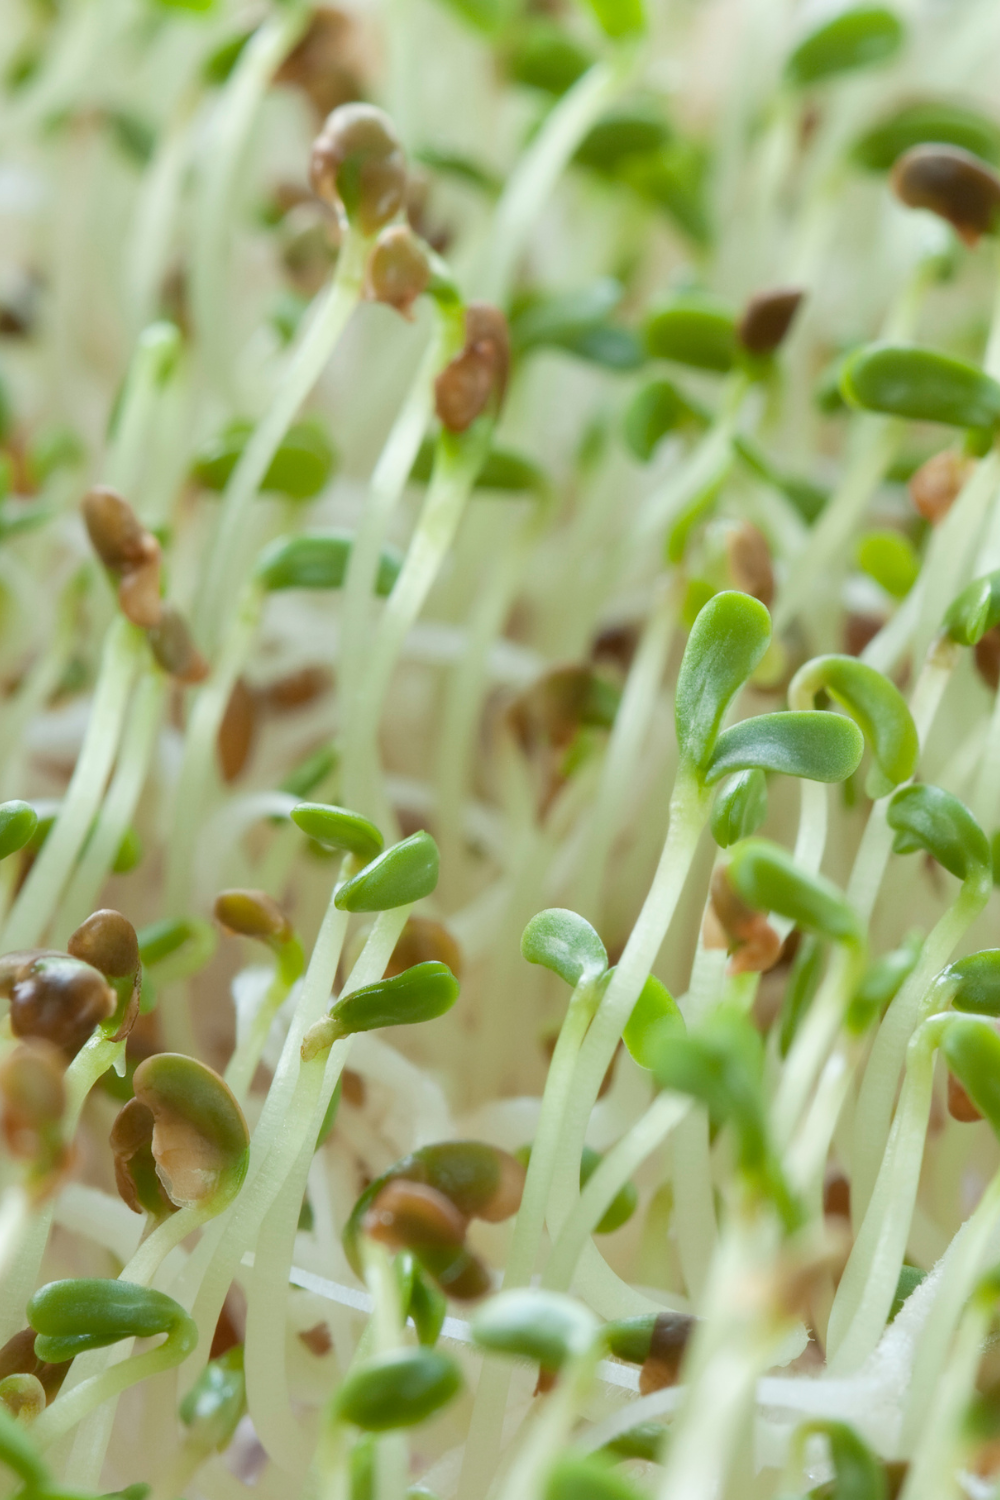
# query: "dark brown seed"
423,941
411,1216
358,166
750,562
837,1196
671,1335
18,1357
317,1339
477,377
115,532
139,591
767,318
936,485
106,941
960,1106
237,731
952,183
252,914
464,1277
174,649
399,269
296,689
14,965
60,1000
506,1197
326,63
986,654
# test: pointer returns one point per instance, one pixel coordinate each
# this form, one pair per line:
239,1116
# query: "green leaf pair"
420,993
929,818
904,380
73,1316
406,872
400,1388
318,560
526,1323
299,470
766,878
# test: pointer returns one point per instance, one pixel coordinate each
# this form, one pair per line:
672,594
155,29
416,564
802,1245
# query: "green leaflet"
905,380
693,330
858,1473
919,124
533,1324
421,993
860,37
876,705
318,560
301,468
653,1012
927,817
767,878
18,821
977,980
740,808
90,1313
566,943
816,745
972,1051
406,872
727,641
339,828
397,1389
974,611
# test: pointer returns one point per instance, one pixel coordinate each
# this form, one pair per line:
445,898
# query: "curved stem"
226,558
32,911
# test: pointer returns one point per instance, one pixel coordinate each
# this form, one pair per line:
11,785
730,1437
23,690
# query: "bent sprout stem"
323,326
33,909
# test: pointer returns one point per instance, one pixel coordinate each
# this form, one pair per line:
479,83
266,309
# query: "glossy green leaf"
564,942
318,560
18,821
618,18
929,818
533,1324
875,704
891,559
73,1316
693,330
338,828
654,1011
740,808
214,1405
622,1206
575,1477
300,469
421,993
819,746
858,1475
974,611
971,1050
727,641
621,135
977,982
905,380
406,872
767,878
922,124
655,410
860,37
397,1389
547,57
630,1338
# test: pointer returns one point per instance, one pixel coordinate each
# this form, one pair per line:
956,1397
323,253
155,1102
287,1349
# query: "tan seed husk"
477,377
107,941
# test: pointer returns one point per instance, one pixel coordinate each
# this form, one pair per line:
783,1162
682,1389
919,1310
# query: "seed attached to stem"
61,1000
476,378
952,183
936,485
399,269
669,1339
136,1177
200,1140
173,647
108,942
767,318
358,166
32,1102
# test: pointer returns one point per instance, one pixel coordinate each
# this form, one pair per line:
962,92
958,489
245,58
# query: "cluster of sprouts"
499,749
